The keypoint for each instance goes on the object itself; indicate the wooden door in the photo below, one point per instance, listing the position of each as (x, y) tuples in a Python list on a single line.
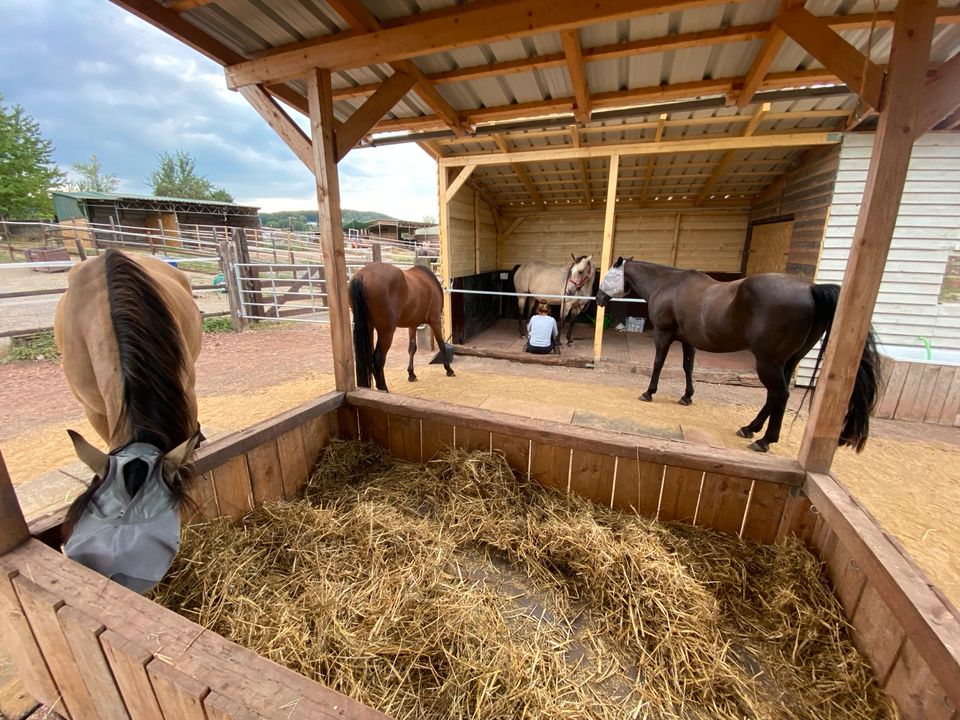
[(769, 245)]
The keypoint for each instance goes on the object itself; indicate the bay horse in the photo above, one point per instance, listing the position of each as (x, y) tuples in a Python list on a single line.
[(383, 297), (540, 278), (778, 317), (129, 333)]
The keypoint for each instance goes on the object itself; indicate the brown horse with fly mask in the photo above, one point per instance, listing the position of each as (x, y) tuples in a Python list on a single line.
[(383, 297), (778, 317), (129, 332)]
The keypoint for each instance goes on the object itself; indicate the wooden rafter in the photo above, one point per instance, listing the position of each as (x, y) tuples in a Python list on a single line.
[(815, 36), (584, 172), (180, 6), (368, 114), (772, 42), (727, 159), (652, 161), (578, 78), (359, 18), (472, 24), (519, 169), (281, 123), (701, 144), (942, 96), (459, 180)]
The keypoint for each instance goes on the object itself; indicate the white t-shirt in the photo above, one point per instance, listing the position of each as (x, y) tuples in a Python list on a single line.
[(542, 329)]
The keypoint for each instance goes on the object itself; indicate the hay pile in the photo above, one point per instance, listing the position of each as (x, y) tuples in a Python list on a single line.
[(456, 590)]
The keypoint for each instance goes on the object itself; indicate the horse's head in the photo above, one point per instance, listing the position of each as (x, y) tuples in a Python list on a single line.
[(613, 284), (126, 525)]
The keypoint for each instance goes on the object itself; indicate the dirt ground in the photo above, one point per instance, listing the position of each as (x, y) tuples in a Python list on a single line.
[(908, 475)]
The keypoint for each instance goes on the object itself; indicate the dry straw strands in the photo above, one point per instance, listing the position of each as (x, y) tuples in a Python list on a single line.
[(456, 590)]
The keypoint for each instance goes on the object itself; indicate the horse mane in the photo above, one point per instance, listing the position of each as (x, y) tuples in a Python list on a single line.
[(153, 356)]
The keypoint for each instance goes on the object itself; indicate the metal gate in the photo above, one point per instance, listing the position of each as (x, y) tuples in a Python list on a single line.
[(281, 291)]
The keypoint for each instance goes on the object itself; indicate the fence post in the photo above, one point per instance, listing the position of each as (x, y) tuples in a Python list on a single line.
[(228, 266), (6, 238), (252, 285), (424, 334), (377, 249), (113, 232)]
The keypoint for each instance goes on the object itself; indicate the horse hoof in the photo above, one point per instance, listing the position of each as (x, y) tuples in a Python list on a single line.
[(759, 446), (685, 401), (647, 397), (412, 378), (451, 373), (744, 433)]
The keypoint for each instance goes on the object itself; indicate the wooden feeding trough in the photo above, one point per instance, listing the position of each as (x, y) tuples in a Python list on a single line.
[(90, 648)]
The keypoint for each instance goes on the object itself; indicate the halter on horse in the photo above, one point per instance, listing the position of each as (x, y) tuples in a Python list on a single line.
[(540, 278), (383, 298), (778, 317), (129, 333)]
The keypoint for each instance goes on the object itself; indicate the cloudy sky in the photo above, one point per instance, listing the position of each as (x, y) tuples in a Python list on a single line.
[(100, 81)]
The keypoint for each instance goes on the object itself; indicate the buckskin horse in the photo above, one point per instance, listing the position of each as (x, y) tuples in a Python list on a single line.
[(540, 279), (778, 317), (129, 332), (383, 297)]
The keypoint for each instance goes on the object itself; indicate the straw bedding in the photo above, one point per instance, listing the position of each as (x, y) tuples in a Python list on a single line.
[(457, 590)]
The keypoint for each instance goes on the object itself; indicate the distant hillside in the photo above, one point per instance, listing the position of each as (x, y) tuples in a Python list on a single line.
[(300, 218)]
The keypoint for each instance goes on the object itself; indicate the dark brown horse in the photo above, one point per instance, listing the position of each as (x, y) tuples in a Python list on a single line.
[(383, 297), (778, 317), (129, 333)]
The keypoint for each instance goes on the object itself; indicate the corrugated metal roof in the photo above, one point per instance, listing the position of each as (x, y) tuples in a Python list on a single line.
[(114, 197)]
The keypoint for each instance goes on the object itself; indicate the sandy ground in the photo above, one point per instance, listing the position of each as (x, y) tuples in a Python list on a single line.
[(908, 475)]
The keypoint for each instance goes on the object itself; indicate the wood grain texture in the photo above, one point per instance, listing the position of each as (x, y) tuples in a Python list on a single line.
[(436, 438), (591, 476), (178, 695), (128, 662), (515, 450), (876, 633), (232, 483), (550, 465), (723, 502), (294, 466), (681, 491), (374, 426), (83, 636), (768, 503), (917, 692), (266, 477), (405, 438)]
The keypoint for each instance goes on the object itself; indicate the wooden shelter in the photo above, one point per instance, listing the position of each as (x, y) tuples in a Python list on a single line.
[(688, 109)]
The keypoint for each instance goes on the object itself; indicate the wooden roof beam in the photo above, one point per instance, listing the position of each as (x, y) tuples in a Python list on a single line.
[(584, 173), (657, 137), (727, 159), (772, 43), (578, 78), (281, 123), (359, 18), (942, 96), (474, 23), (837, 55), (368, 114), (179, 6), (519, 170), (737, 142)]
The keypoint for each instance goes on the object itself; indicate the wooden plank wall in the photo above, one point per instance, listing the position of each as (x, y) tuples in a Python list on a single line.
[(473, 234), (905, 627), (804, 193), (919, 392), (756, 497), (711, 241)]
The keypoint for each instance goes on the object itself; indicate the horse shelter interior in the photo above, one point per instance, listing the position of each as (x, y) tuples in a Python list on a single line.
[(661, 130)]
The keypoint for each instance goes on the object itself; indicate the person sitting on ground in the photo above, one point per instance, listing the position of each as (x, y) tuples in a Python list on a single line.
[(542, 331)]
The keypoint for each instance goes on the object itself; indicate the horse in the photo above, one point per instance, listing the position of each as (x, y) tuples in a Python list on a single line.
[(778, 317), (383, 297), (540, 278), (129, 332)]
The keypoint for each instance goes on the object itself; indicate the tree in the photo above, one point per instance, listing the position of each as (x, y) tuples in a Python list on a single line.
[(176, 176), (90, 178), (27, 172)]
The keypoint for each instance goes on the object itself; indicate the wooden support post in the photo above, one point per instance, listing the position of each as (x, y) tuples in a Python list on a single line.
[(676, 241), (445, 279), (376, 250), (476, 232), (13, 527), (320, 96), (79, 243), (912, 35), (227, 261), (606, 254), (424, 333)]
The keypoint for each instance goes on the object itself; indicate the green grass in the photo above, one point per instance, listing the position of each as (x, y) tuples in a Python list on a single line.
[(217, 324), (33, 348)]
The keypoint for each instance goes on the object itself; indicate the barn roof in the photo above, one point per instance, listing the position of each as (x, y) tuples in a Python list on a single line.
[(500, 76), (130, 197)]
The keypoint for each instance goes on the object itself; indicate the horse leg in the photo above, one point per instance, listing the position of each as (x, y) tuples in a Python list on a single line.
[(756, 425), (772, 377), (662, 340), (412, 349), (572, 317), (438, 335), (689, 351), (384, 341), (523, 304)]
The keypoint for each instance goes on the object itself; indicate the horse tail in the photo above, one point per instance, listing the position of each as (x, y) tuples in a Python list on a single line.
[(362, 347), (153, 355), (856, 424)]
